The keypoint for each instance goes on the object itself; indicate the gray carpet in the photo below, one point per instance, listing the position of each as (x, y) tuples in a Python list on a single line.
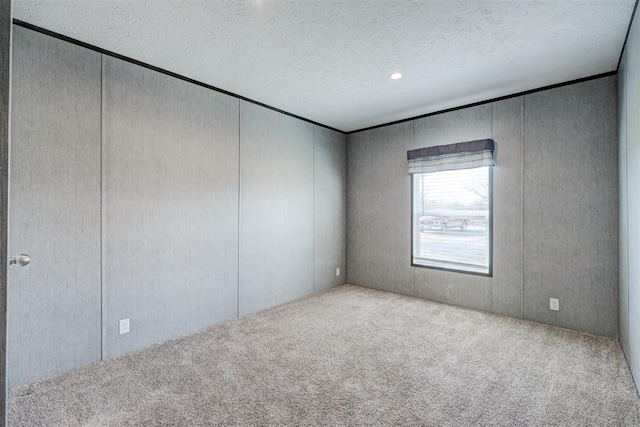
[(349, 356)]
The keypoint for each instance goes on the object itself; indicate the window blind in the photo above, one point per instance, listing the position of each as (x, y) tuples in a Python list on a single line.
[(462, 155)]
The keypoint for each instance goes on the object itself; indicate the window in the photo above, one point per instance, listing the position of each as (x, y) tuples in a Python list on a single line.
[(452, 210)]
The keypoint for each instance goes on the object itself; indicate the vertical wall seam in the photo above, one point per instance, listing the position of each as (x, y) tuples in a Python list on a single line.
[(346, 208), (626, 172), (239, 206), (102, 216), (346, 204), (522, 198), (313, 204), (492, 237), (632, 343), (5, 193), (626, 190), (413, 270)]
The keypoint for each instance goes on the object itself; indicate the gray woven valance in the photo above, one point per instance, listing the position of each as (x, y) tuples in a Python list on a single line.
[(463, 155)]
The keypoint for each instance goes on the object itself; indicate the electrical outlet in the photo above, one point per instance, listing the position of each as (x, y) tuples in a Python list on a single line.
[(554, 304), (124, 326), (338, 272)]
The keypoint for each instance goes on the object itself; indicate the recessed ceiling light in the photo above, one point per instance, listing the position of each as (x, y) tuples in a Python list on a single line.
[(395, 76)]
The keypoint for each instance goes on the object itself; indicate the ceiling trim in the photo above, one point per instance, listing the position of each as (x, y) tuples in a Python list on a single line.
[(161, 70), (488, 101), (633, 14)]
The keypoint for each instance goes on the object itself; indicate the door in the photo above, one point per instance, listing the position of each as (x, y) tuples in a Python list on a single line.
[(54, 302)]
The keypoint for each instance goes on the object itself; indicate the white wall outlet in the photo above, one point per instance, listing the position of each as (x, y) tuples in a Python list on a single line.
[(554, 304), (124, 326), (338, 272)]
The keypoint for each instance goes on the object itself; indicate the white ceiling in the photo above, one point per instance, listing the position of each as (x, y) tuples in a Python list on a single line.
[(329, 61)]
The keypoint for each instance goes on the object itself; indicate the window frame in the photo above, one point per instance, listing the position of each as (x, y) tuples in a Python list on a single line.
[(454, 270)]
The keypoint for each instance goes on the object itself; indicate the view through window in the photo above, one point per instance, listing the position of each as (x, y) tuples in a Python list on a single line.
[(452, 220)]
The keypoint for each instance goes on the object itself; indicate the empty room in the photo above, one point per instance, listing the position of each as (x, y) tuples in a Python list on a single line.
[(341, 213)]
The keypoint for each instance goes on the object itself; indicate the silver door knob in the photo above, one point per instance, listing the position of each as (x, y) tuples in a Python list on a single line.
[(21, 260)]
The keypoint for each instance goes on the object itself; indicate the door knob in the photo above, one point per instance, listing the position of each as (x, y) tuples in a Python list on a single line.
[(21, 260)]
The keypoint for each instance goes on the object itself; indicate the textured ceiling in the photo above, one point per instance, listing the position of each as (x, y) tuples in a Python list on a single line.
[(329, 61)]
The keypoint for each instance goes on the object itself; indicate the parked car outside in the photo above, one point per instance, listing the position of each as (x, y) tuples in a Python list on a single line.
[(443, 223)]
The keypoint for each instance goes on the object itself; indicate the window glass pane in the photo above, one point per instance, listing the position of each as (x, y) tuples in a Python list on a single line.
[(451, 219)]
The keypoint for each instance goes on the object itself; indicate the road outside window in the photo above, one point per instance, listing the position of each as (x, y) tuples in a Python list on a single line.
[(452, 220)]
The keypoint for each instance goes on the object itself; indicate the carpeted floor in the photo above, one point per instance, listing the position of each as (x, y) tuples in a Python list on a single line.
[(349, 356)]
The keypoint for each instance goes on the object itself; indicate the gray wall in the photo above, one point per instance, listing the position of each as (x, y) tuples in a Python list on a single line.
[(293, 208), (378, 217), (5, 83), (552, 146), (329, 207), (208, 207), (629, 149), (571, 214), (276, 208), (170, 210)]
